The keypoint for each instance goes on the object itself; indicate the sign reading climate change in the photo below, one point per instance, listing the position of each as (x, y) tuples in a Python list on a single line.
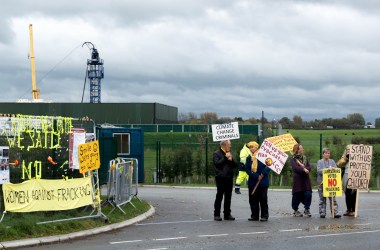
[(271, 156), (359, 171), (47, 195), (225, 131)]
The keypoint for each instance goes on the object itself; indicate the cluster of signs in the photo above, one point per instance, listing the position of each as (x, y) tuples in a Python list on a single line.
[(48, 195), (272, 154)]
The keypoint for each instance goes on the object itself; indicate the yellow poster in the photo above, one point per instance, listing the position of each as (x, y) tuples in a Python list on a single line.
[(284, 142), (332, 182), (47, 195), (89, 158)]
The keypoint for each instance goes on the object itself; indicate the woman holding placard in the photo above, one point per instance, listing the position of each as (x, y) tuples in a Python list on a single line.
[(325, 163), (349, 193), (301, 188)]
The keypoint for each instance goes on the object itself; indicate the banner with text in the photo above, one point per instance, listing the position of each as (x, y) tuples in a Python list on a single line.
[(359, 172), (89, 158), (225, 131), (332, 182), (272, 156), (284, 142), (47, 195)]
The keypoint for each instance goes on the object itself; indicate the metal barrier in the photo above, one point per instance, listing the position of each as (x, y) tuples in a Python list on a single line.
[(122, 183)]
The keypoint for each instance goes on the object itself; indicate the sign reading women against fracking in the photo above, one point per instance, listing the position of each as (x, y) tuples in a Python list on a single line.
[(272, 156), (359, 171), (47, 195), (332, 182), (284, 142), (89, 158), (225, 131)]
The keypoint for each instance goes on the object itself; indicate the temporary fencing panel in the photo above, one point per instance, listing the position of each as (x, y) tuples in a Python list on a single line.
[(122, 183)]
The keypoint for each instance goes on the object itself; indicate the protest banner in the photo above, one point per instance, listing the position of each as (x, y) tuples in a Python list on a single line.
[(48, 195), (359, 171), (332, 182), (225, 131), (272, 156), (89, 158), (284, 142)]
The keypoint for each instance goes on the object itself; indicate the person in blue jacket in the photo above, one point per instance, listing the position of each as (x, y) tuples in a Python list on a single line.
[(258, 175)]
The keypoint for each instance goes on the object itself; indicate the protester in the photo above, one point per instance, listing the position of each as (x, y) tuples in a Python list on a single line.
[(224, 172), (349, 193), (244, 153), (301, 189), (325, 163), (258, 176)]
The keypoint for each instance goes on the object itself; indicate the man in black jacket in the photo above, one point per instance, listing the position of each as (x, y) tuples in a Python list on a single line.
[(224, 172)]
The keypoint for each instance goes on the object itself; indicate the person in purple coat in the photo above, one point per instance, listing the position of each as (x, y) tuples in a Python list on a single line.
[(301, 189)]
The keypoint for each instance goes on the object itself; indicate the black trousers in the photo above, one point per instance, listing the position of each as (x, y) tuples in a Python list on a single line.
[(224, 188), (259, 201), (350, 199)]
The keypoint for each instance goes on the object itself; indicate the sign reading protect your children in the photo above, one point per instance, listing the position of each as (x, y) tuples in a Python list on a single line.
[(359, 172)]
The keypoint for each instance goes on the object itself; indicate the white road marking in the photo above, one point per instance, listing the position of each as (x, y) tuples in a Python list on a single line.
[(265, 232), (171, 222), (328, 235), (127, 241), (212, 235), (176, 238), (364, 224), (290, 230), (162, 248)]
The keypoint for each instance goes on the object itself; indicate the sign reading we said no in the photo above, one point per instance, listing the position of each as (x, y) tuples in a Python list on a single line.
[(89, 158)]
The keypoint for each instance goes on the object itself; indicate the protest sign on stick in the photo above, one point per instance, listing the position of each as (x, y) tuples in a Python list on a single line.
[(272, 157), (225, 131)]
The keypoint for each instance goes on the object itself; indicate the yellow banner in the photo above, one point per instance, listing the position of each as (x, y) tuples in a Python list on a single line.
[(47, 195), (89, 158), (332, 182), (284, 142)]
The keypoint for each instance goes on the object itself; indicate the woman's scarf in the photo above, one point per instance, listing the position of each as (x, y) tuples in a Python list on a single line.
[(301, 158), (254, 162)]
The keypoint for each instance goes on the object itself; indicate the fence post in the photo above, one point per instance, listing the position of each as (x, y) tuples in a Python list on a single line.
[(320, 146), (206, 146), (158, 162)]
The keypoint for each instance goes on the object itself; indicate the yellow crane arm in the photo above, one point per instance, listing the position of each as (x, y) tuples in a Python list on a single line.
[(35, 91)]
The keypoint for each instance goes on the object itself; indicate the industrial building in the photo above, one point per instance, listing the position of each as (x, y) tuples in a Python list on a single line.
[(112, 113)]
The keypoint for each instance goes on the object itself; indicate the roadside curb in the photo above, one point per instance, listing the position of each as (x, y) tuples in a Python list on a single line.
[(65, 237)]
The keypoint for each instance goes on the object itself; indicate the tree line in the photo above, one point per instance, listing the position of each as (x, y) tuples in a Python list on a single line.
[(351, 121)]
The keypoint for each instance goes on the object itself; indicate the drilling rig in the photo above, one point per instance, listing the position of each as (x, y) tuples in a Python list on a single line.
[(94, 72), (35, 91)]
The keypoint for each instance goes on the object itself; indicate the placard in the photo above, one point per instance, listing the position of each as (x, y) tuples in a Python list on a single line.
[(225, 131), (272, 156)]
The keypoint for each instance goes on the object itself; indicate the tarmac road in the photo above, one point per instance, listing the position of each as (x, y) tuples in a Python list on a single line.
[(184, 220)]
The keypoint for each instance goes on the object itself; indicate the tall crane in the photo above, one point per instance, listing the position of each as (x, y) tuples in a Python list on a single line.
[(94, 72), (35, 91)]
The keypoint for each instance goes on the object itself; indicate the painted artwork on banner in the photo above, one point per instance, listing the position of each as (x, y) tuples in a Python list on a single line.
[(4, 165), (359, 172), (48, 195), (332, 182), (272, 156), (89, 157), (225, 131), (284, 142)]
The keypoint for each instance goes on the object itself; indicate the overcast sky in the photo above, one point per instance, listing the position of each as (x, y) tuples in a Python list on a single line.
[(316, 59)]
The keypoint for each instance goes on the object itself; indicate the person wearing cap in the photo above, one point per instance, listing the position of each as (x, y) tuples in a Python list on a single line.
[(247, 149), (224, 166), (349, 193), (258, 184)]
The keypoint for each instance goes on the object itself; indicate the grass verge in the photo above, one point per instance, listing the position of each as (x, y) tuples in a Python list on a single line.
[(16, 226)]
